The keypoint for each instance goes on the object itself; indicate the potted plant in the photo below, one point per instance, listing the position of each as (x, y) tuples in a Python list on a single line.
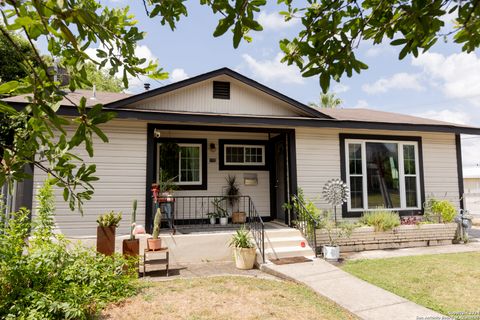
[(213, 217), (107, 224), (244, 251), (131, 246), (233, 194), (155, 243), (165, 187), (220, 211), (335, 232)]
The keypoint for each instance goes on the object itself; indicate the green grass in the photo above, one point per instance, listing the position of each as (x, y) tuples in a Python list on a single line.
[(446, 283), (233, 298)]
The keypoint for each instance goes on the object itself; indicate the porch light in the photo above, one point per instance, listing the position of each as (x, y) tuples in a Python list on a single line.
[(157, 133), (213, 148)]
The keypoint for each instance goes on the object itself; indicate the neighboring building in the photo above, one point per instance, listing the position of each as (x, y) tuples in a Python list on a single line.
[(471, 181), (226, 124)]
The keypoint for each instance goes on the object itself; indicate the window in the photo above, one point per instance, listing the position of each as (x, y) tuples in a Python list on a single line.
[(244, 155), (181, 161), (382, 174)]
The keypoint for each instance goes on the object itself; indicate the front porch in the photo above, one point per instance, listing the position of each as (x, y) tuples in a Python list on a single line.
[(261, 159)]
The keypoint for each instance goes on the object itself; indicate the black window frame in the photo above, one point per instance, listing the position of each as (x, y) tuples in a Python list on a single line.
[(204, 169), (343, 169), (246, 167)]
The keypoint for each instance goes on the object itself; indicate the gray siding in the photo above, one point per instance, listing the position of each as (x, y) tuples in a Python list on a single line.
[(244, 100), (121, 167)]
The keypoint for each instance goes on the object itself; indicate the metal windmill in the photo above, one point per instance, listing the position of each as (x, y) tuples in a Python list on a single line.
[(336, 193)]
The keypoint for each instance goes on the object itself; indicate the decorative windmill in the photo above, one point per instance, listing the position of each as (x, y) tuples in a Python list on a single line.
[(336, 193)]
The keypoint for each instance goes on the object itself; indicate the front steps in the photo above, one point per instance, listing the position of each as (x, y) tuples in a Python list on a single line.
[(285, 242)]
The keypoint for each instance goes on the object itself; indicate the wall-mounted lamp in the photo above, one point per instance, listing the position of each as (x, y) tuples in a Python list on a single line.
[(157, 133), (213, 148)]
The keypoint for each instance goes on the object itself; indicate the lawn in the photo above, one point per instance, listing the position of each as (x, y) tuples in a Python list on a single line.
[(231, 297), (447, 283)]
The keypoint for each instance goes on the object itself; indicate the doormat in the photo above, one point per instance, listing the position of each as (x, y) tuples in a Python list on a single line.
[(291, 260)]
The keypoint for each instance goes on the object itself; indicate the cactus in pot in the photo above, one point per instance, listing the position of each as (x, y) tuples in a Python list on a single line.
[(131, 247), (154, 243)]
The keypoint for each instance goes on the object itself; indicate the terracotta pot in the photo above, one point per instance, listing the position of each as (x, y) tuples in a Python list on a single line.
[(239, 217), (106, 240), (131, 247), (154, 244), (244, 257)]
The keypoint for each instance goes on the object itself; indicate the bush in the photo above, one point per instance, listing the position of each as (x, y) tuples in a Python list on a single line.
[(42, 278), (443, 208), (381, 220)]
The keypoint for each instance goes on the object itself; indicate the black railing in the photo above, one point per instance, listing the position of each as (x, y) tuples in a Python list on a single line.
[(306, 223), (257, 227), (211, 212)]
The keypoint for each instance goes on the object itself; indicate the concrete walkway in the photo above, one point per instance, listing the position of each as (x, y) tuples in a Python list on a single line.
[(365, 300), (473, 246)]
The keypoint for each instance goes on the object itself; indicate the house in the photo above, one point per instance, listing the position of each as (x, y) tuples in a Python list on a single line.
[(471, 180), (222, 123)]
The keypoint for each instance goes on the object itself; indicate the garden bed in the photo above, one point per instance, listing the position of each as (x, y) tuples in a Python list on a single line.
[(405, 236)]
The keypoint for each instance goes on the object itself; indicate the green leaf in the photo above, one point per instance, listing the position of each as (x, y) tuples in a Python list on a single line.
[(9, 87), (237, 34), (324, 81), (223, 26)]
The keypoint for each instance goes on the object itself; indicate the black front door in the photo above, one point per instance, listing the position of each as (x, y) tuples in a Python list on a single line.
[(279, 178)]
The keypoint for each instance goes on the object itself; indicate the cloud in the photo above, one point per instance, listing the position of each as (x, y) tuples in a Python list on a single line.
[(361, 104), (458, 74), (273, 70), (340, 88), (178, 75), (459, 117), (404, 81), (275, 21)]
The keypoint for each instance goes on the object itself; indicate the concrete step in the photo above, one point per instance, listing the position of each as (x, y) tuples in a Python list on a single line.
[(284, 242), (280, 233), (285, 252)]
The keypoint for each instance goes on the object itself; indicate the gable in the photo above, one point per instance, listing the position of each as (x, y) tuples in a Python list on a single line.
[(199, 98)]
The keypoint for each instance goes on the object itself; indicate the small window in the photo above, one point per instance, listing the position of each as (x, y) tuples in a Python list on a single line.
[(244, 155), (221, 90)]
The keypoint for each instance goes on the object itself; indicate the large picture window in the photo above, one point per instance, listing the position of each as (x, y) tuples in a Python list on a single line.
[(382, 174), (181, 161)]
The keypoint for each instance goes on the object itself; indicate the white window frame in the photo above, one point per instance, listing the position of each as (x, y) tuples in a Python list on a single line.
[(401, 173), (180, 182), (244, 163)]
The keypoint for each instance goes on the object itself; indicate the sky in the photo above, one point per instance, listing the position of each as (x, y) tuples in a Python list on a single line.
[(442, 84)]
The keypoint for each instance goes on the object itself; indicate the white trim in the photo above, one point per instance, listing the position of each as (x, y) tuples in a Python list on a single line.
[(401, 173), (184, 183), (244, 146)]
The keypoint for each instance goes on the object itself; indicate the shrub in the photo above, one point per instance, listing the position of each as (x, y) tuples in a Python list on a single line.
[(44, 277), (381, 220), (443, 208)]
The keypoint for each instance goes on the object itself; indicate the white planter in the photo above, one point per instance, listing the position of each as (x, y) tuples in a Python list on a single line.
[(331, 253), (213, 220), (244, 257), (223, 221)]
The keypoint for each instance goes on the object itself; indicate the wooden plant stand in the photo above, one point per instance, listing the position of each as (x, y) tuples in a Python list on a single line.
[(155, 260)]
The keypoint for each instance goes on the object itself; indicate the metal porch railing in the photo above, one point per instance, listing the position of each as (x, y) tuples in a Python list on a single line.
[(194, 212), (306, 223)]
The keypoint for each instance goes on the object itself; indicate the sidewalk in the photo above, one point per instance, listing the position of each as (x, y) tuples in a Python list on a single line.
[(365, 300)]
